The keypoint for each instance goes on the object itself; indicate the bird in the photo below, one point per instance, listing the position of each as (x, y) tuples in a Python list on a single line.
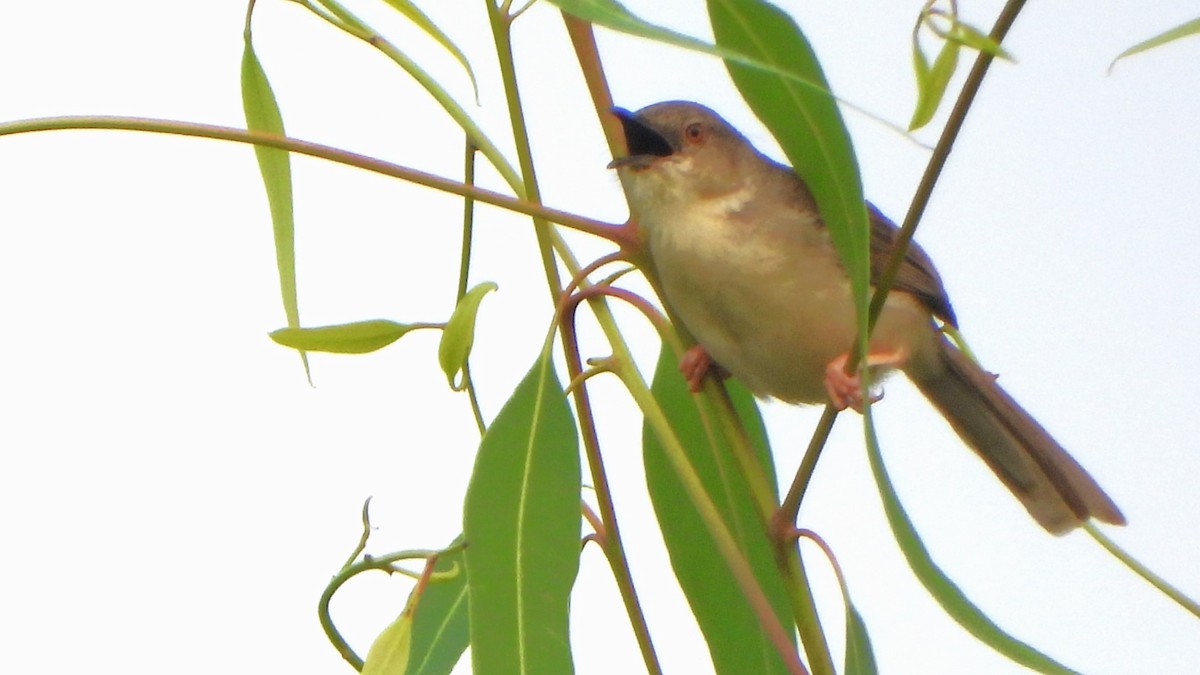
[(745, 261)]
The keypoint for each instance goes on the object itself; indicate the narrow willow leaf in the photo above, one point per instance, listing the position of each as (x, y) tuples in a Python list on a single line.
[(614, 16), (389, 653), (459, 335), (932, 88), (347, 338), (804, 121), (262, 114), (736, 642), (441, 628), (423, 22), (940, 587), (920, 63), (860, 658), (970, 36), (522, 529), (1181, 31)]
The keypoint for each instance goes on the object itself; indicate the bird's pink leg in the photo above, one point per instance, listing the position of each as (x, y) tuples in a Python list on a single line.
[(845, 390), (695, 364)]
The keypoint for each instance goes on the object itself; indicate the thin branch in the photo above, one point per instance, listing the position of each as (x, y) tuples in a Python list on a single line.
[(916, 210), (615, 233)]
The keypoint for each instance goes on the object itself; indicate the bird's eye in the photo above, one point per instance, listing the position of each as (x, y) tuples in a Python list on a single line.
[(694, 133)]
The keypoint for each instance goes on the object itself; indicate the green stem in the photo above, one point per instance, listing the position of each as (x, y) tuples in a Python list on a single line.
[(611, 542), (501, 23), (384, 563), (1144, 572), (359, 29), (916, 209), (464, 272), (739, 566), (799, 594)]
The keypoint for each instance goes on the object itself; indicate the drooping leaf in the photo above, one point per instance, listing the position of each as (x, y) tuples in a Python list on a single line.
[(932, 83), (423, 22), (940, 587), (262, 114), (806, 123), (459, 334), (521, 522), (441, 629), (1179, 32), (359, 337), (736, 642)]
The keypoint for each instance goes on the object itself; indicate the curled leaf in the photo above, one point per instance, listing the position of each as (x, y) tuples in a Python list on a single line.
[(359, 337), (932, 81), (459, 334)]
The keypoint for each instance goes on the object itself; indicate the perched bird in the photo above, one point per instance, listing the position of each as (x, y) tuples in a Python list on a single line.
[(747, 264)]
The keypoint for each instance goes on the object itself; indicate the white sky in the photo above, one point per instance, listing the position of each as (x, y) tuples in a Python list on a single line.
[(174, 496)]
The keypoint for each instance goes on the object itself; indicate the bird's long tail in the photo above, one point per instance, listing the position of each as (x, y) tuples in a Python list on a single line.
[(1056, 490)]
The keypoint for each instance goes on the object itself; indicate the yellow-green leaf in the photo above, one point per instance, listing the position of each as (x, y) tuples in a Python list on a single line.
[(389, 653), (262, 114), (970, 36), (459, 335), (1181, 31), (932, 83), (423, 22), (359, 337)]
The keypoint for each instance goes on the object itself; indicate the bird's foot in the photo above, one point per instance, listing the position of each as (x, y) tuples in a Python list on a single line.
[(845, 389), (695, 365)]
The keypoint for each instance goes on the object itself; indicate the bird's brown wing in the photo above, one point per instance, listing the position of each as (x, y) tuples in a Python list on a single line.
[(917, 274)]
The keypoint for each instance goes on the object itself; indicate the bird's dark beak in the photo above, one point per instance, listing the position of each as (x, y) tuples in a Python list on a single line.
[(644, 143)]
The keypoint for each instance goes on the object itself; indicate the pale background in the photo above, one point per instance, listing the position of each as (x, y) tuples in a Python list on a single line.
[(174, 496)]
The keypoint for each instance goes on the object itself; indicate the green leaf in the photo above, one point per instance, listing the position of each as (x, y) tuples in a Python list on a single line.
[(806, 123), (262, 114), (359, 337), (1181, 31), (931, 85), (521, 521), (970, 36), (441, 628), (614, 16), (736, 642), (860, 658), (389, 653), (423, 22), (940, 587), (459, 335)]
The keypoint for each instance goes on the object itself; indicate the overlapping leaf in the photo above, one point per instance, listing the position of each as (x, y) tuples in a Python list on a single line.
[(735, 640)]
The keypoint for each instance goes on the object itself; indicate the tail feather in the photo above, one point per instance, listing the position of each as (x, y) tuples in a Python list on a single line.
[(1054, 488)]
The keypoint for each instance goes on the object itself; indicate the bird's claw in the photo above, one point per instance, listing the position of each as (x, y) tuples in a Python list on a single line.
[(845, 389), (695, 365)]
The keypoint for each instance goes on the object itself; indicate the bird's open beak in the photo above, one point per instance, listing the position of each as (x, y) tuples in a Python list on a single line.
[(645, 144)]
